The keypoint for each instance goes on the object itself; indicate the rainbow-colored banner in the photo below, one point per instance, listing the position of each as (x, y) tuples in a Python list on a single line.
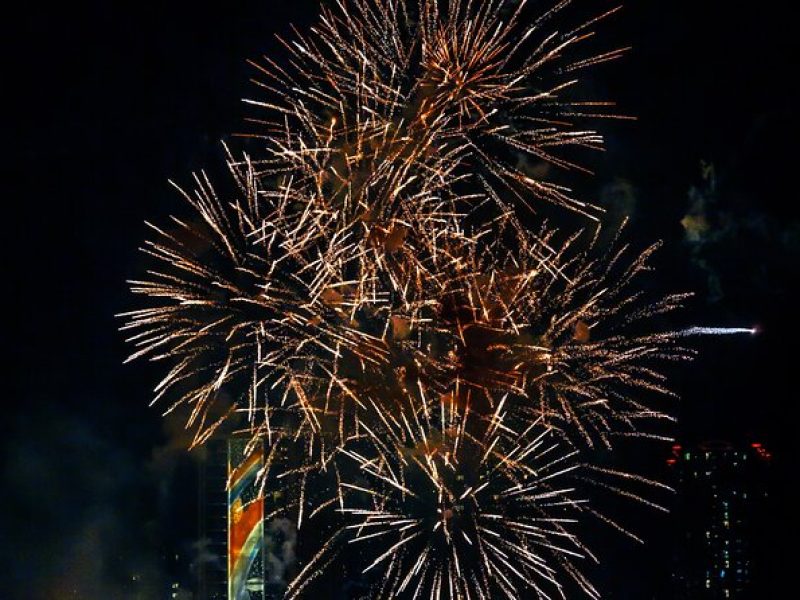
[(245, 523)]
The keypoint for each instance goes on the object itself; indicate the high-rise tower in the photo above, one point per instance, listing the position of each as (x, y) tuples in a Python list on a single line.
[(721, 491)]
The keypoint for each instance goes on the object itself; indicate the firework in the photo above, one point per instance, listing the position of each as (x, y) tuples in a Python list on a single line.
[(298, 318), (560, 328), (455, 505), (386, 103), (242, 290), (443, 502), (365, 298), (290, 288)]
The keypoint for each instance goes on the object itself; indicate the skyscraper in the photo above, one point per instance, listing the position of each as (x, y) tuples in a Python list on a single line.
[(231, 522), (212, 569), (721, 499)]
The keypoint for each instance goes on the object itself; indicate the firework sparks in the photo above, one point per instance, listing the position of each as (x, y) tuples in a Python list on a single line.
[(299, 318), (366, 299), (443, 510), (242, 292), (384, 104)]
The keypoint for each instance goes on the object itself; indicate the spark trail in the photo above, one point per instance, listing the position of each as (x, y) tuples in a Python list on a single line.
[(692, 331)]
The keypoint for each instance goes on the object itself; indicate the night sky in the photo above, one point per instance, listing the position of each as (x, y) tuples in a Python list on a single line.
[(113, 100)]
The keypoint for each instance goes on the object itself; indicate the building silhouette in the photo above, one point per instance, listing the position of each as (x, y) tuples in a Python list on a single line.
[(722, 490)]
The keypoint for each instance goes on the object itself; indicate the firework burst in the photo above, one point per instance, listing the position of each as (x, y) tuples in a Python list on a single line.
[(365, 300), (261, 311), (441, 363), (448, 497), (385, 103), (245, 290)]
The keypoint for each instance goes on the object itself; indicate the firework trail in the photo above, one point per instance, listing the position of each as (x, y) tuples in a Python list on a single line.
[(691, 331)]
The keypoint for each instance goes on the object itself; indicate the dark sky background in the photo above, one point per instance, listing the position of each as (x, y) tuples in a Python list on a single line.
[(112, 99)]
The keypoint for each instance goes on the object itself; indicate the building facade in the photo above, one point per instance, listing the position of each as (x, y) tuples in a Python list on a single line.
[(231, 566)]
